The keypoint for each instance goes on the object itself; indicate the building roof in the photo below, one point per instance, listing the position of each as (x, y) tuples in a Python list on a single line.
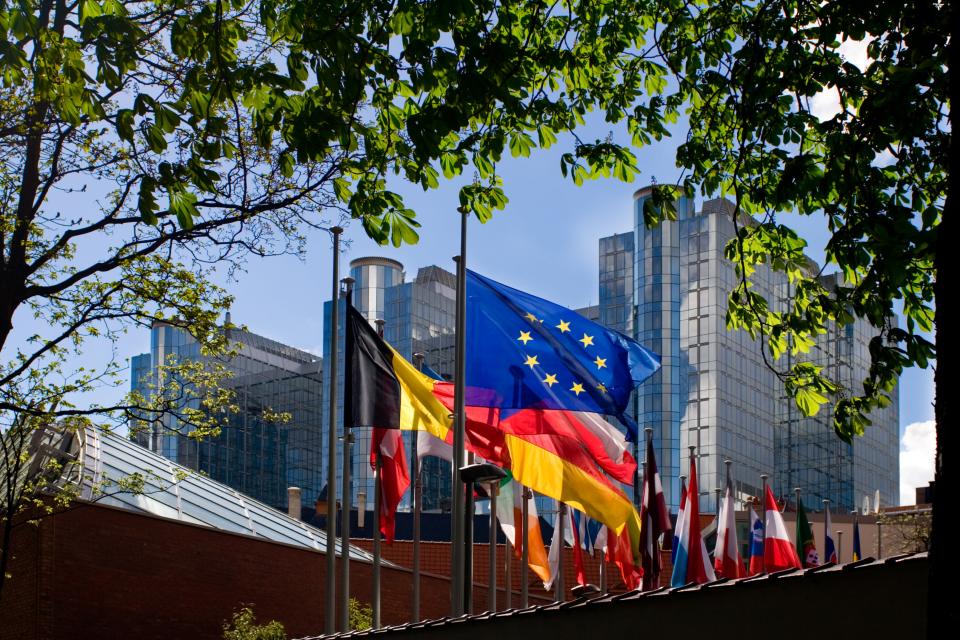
[(170, 490)]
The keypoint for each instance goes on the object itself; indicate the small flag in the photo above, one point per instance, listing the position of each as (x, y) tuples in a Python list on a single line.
[(726, 556), (510, 515), (581, 574), (693, 562), (829, 548), (655, 521), (756, 543), (806, 546), (587, 529), (394, 476), (679, 527), (778, 551), (856, 540), (556, 548), (620, 552)]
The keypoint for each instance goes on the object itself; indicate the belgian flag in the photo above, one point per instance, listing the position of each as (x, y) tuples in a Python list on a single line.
[(382, 389)]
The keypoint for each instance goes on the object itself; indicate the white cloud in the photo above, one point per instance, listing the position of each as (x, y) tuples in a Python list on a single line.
[(826, 104), (917, 448)]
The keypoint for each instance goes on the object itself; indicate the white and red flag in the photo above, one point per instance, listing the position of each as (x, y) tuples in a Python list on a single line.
[(778, 552), (726, 557)]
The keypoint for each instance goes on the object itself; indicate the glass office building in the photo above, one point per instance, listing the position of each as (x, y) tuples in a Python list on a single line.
[(256, 456), (667, 287), (417, 317)]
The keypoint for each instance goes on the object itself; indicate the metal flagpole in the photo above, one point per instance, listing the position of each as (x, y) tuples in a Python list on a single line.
[(558, 582), (508, 551), (492, 535), (468, 509), (417, 496), (377, 497), (457, 529), (377, 509), (330, 610), (603, 569), (763, 516), (524, 549), (345, 506), (826, 532)]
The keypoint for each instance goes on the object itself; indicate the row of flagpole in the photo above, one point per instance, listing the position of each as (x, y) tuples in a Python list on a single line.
[(461, 528)]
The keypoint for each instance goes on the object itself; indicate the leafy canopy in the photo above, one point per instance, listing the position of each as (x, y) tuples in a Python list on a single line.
[(755, 78)]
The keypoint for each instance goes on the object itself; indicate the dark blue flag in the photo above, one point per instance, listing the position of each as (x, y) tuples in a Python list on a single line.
[(526, 352)]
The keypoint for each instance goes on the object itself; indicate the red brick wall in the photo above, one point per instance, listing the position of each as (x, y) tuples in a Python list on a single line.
[(97, 570)]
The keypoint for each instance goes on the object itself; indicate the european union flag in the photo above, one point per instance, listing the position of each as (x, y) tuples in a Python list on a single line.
[(526, 352)]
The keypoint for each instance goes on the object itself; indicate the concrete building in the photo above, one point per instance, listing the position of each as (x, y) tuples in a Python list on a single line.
[(257, 456), (667, 287)]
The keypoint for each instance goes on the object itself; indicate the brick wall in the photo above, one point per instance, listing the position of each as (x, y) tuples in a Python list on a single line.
[(113, 573)]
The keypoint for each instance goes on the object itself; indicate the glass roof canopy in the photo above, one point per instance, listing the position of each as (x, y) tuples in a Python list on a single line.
[(174, 492)]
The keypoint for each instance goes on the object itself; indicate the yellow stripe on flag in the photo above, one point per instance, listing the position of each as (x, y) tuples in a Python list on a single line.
[(419, 408)]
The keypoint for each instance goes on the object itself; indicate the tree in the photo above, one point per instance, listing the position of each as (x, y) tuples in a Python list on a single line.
[(906, 531), (145, 142), (244, 626), (876, 167)]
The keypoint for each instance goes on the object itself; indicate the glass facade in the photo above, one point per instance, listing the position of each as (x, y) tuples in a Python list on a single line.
[(255, 456), (418, 317), (714, 391), (809, 453)]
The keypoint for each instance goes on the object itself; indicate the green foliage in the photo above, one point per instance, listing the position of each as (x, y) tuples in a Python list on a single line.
[(360, 615), (243, 626), (756, 77)]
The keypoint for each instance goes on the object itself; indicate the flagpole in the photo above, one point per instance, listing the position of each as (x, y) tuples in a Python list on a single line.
[(558, 591), (839, 546), (377, 510), (345, 506), (458, 532), (468, 510), (524, 549), (492, 535), (826, 532), (378, 497), (508, 570), (330, 609), (803, 560), (648, 499), (763, 520), (417, 497), (603, 568)]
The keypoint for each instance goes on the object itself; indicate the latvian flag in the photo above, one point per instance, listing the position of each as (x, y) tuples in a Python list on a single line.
[(778, 551)]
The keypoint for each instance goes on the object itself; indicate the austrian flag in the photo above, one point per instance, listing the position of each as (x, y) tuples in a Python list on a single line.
[(778, 551)]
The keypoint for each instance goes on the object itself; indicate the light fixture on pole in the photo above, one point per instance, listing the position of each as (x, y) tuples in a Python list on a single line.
[(471, 474)]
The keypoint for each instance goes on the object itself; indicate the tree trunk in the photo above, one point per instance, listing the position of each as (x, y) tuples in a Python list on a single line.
[(941, 610)]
